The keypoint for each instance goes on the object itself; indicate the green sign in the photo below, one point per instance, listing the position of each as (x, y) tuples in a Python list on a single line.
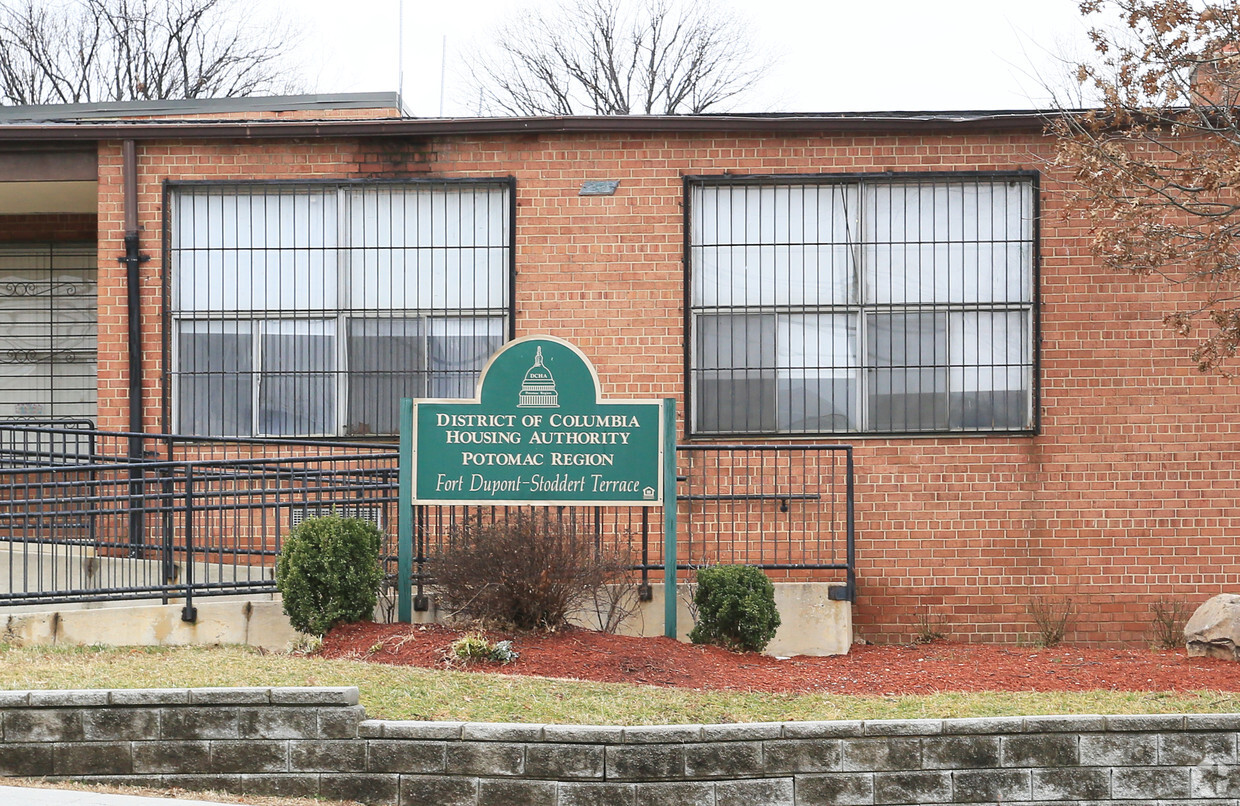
[(538, 434)]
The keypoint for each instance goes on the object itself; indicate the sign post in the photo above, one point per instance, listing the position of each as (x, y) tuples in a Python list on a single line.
[(538, 433), (669, 518), (404, 538)]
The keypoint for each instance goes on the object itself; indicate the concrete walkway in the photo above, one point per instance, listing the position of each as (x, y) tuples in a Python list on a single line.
[(18, 796)]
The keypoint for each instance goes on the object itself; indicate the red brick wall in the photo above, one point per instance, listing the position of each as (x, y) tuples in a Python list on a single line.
[(1127, 495)]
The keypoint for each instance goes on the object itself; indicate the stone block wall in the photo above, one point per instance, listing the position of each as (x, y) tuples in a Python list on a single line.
[(317, 742)]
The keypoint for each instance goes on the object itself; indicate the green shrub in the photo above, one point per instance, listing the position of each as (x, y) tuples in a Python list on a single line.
[(474, 646), (736, 608), (329, 572)]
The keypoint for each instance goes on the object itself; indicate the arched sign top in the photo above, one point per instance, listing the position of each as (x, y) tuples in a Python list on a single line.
[(536, 372), (538, 432)]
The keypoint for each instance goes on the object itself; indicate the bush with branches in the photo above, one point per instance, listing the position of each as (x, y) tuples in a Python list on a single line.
[(1168, 618), (736, 608), (1052, 617), (527, 571), (329, 572)]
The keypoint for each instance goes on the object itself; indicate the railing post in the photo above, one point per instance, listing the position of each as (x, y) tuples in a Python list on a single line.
[(189, 612), (421, 602), (851, 573), (404, 517), (644, 592), (166, 548)]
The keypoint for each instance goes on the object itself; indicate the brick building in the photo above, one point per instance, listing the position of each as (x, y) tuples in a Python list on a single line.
[(1024, 425)]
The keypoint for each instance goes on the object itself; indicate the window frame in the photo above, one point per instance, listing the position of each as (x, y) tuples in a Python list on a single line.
[(339, 317), (861, 308)]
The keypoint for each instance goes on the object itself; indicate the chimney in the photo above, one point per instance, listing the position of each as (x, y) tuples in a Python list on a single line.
[(1215, 80)]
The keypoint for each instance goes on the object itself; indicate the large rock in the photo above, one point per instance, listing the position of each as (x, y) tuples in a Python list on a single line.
[(1214, 629)]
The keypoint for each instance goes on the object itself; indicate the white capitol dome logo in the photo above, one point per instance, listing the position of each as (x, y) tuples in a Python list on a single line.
[(538, 388)]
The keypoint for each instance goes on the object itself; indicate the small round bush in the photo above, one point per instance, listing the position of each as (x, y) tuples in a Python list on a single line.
[(736, 608), (329, 572)]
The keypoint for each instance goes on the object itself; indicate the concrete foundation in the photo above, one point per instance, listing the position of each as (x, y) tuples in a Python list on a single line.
[(253, 623), (810, 622)]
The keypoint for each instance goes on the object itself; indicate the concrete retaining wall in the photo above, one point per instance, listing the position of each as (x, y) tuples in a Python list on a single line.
[(312, 742), (220, 621)]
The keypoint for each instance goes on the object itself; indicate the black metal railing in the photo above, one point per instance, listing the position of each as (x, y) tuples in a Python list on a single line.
[(186, 518), (81, 519), (783, 508), (39, 443), (787, 509)]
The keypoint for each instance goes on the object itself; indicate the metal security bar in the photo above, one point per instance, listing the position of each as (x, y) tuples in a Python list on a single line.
[(48, 316), (311, 309), (888, 304), (80, 520)]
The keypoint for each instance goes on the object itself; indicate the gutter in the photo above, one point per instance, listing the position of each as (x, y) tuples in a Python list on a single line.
[(133, 261)]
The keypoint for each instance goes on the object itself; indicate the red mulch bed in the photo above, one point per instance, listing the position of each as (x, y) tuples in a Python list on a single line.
[(866, 670)]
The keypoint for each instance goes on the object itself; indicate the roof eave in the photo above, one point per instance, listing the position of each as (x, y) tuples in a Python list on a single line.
[(436, 127)]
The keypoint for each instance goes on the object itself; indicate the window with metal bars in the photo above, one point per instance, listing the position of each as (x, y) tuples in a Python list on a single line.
[(887, 304), (311, 309), (48, 323)]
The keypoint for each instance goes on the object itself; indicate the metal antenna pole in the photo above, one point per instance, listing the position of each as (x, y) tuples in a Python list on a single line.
[(400, 54)]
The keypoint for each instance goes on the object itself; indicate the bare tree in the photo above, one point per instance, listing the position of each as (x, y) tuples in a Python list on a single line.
[(76, 51), (611, 57), (1156, 168)]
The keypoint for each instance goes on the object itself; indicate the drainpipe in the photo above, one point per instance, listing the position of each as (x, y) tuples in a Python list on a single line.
[(133, 260)]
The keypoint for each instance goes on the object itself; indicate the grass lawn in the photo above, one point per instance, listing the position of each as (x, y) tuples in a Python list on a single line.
[(397, 692)]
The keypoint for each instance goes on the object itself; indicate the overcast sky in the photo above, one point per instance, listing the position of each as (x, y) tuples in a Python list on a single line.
[(831, 55)]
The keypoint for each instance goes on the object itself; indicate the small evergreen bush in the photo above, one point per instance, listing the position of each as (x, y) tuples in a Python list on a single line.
[(329, 572), (736, 608)]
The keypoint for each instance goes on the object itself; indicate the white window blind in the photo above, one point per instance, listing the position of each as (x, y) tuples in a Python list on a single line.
[(310, 310), (884, 305)]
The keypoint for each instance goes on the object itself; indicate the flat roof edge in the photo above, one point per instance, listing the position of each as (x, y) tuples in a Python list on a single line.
[(430, 127), (197, 106)]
